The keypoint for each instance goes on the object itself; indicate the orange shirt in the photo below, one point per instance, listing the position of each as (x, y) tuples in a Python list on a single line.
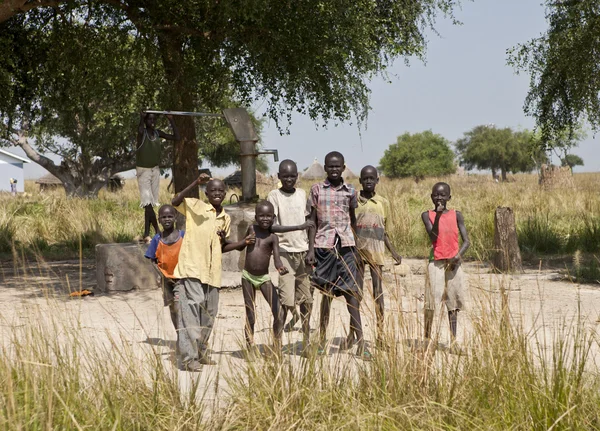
[(165, 255)]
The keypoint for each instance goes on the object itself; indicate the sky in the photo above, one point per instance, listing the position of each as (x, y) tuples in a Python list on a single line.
[(464, 82)]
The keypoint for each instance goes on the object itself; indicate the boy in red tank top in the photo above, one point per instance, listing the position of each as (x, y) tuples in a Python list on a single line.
[(444, 281)]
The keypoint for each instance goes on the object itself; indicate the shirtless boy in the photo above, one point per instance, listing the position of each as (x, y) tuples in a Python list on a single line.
[(255, 275)]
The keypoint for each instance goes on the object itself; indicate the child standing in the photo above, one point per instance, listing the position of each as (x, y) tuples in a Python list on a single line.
[(332, 247), (164, 252), (372, 240), (255, 275), (444, 281), (199, 269), (291, 214)]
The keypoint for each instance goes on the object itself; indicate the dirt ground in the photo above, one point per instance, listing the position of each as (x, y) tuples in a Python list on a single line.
[(541, 299)]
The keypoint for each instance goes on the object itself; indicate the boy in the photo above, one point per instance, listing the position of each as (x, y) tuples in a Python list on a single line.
[(255, 275), (199, 269), (164, 252), (332, 248), (147, 161), (291, 215), (444, 282), (372, 240)]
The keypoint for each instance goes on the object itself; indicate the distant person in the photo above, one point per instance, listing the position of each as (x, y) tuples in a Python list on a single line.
[(199, 269), (147, 170), (255, 275), (164, 252), (291, 223), (445, 280), (13, 186), (332, 248), (371, 241)]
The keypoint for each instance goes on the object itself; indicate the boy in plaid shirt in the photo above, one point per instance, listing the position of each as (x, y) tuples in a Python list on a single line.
[(332, 247)]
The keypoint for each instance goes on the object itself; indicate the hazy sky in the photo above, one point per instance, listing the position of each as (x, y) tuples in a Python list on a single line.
[(465, 82)]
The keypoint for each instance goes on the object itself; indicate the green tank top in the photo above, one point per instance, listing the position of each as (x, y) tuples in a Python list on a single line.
[(148, 153)]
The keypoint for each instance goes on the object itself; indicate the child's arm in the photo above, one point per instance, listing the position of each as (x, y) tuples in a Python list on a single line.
[(312, 233), (173, 137), (432, 229), (227, 246), (460, 221), (140, 131), (392, 250), (276, 228), (353, 219), (276, 258), (202, 179)]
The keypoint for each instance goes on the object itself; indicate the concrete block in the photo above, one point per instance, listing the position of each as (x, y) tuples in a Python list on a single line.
[(123, 267)]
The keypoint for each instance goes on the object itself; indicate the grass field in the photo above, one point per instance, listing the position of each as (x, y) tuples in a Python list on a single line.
[(559, 223)]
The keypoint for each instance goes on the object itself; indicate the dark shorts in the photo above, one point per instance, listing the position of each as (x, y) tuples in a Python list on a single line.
[(335, 270)]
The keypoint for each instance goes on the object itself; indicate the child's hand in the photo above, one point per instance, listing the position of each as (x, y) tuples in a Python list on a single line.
[(397, 259), (310, 258), (452, 263), (282, 270), (222, 234), (203, 179), (308, 224), (250, 239), (439, 207)]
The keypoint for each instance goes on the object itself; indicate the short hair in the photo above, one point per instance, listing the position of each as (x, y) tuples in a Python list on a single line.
[(369, 167), (335, 154), (436, 185), (264, 204), (288, 162), (167, 207), (215, 180)]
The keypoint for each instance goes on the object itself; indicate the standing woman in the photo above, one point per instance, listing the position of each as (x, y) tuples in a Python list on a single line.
[(147, 170)]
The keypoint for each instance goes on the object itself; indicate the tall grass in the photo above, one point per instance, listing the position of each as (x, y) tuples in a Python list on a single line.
[(556, 222)]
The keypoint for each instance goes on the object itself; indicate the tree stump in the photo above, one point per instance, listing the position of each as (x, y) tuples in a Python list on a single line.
[(507, 256)]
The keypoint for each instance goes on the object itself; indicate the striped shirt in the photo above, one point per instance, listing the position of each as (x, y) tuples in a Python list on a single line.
[(333, 213)]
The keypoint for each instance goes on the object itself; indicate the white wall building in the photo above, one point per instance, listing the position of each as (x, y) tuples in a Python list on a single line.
[(11, 166)]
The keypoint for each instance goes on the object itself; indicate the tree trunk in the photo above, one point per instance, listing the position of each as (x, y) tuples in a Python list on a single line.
[(494, 173), (185, 155), (503, 175), (507, 256)]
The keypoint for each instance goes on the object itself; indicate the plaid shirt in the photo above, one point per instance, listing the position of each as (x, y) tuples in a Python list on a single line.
[(333, 213)]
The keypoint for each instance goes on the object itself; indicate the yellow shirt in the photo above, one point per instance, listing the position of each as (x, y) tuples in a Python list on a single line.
[(371, 217), (200, 254)]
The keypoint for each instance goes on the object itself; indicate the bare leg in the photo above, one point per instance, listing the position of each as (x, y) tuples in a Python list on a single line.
[(429, 314), (453, 320), (305, 311), (270, 294), (324, 318), (376, 272), (295, 318), (149, 220), (360, 281), (249, 301)]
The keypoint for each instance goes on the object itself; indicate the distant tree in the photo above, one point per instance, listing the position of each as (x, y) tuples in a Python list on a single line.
[(563, 65), (499, 150), (418, 156), (571, 160)]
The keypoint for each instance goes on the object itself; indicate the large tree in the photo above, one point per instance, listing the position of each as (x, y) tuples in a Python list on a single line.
[(311, 56), (499, 150), (564, 66), (417, 156)]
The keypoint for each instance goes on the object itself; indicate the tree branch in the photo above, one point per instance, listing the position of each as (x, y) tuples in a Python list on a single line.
[(10, 8), (38, 158)]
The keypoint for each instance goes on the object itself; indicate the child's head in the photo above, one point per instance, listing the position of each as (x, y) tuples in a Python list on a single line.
[(150, 121), (334, 165), (215, 192), (288, 175), (369, 178), (264, 214), (166, 216), (440, 194)]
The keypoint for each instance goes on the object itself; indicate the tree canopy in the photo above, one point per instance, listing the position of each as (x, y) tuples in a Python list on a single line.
[(499, 149), (564, 66), (571, 160), (314, 57), (418, 156)]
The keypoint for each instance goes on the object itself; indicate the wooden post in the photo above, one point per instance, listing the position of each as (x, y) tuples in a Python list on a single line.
[(507, 256)]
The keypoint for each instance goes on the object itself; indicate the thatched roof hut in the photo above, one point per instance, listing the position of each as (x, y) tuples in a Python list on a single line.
[(314, 172), (235, 179), (348, 174)]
